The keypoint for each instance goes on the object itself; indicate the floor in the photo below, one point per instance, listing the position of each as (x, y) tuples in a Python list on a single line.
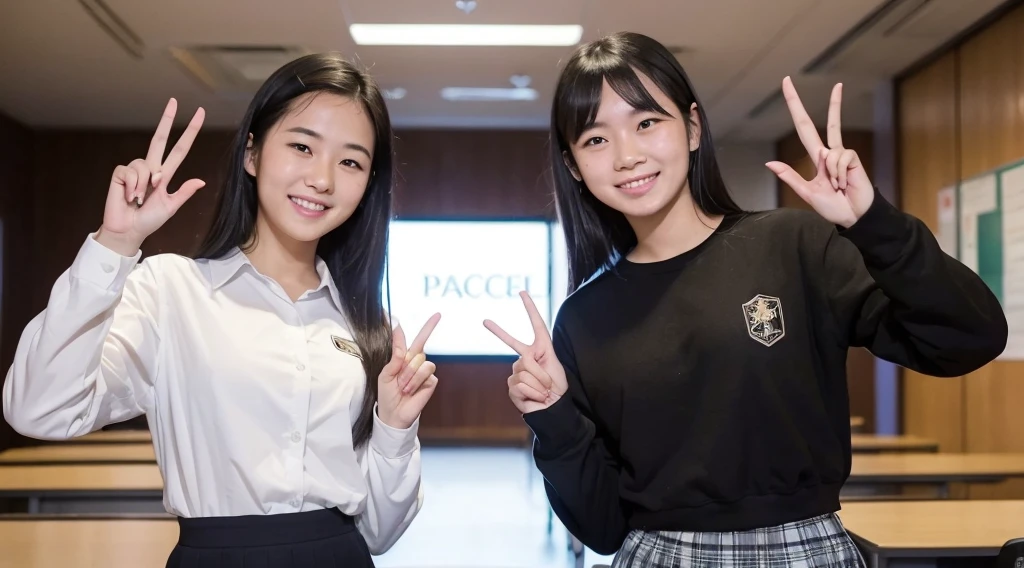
[(483, 508)]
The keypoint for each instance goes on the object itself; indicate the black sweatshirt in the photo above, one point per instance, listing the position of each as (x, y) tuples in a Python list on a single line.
[(707, 392)]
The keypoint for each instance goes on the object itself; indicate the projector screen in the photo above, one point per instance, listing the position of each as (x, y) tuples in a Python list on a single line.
[(468, 271)]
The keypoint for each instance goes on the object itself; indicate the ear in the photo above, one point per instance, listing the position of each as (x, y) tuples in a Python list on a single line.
[(572, 169), (695, 128), (250, 157)]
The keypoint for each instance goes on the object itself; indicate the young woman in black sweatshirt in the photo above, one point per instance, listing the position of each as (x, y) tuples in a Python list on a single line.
[(690, 406)]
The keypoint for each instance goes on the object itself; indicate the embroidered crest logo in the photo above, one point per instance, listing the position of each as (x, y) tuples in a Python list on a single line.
[(347, 347), (764, 319)]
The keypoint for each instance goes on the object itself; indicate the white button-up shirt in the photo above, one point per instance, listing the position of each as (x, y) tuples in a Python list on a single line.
[(249, 400)]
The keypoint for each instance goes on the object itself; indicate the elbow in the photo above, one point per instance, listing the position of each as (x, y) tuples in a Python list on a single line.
[(604, 548), (978, 348), (33, 422), (35, 427), (604, 544)]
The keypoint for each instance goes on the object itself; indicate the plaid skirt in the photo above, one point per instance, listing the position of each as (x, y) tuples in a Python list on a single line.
[(819, 542)]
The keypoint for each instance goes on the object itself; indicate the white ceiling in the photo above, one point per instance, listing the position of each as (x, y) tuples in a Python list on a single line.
[(59, 68)]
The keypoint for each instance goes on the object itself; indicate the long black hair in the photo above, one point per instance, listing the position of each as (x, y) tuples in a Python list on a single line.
[(596, 234), (355, 251)]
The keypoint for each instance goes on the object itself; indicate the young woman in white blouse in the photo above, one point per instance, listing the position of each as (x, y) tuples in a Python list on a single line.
[(252, 360)]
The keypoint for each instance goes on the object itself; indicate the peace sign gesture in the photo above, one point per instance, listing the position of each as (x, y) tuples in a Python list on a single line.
[(132, 212), (841, 191), (407, 382), (538, 379)]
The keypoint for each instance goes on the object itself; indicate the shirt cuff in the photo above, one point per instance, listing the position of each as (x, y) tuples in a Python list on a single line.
[(558, 427), (392, 442), (882, 234), (102, 267)]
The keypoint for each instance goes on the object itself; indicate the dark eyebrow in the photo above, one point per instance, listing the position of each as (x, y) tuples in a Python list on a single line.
[(634, 112), (315, 134)]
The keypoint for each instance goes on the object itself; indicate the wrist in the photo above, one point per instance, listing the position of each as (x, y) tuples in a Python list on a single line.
[(391, 420), (118, 242)]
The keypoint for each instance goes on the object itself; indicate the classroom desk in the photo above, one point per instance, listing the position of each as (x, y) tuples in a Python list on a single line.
[(920, 533), (79, 454), (938, 469), (90, 488), (110, 437), (128, 543), (856, 422), (872, 443)]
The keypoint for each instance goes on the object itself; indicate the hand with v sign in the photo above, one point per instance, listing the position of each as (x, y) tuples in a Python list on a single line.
[(137, 201), (840, 191), (407, 382), (538, 379)]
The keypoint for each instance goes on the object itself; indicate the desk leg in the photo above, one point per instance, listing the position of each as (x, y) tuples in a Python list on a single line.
[(942, 490), (33, 505), (876, 560)]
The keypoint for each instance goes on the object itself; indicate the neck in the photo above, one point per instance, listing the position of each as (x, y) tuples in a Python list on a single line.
[(676, 228), (282, 258)]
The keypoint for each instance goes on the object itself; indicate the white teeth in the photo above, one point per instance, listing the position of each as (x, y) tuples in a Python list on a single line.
[(307, 204), (637, 183)]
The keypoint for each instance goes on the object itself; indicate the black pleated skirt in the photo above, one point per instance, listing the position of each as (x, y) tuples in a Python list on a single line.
[(325, 538)]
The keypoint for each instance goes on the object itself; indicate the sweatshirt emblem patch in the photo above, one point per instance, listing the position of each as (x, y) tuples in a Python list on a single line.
[(764, 319), (346, 346)]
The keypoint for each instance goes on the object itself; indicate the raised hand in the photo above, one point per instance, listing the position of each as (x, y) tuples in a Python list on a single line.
[(840, 191), (538, 379), (407, 382), (133, 212)]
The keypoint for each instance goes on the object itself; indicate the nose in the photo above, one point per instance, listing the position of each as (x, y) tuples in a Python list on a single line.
[(628, 154), (321, 177)]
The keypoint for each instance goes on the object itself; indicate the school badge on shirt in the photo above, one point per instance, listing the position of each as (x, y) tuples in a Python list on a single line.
[(764, 319), (346, 346)]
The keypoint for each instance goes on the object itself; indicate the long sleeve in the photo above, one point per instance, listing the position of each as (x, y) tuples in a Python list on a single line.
[(894, 291), (581, 474), (391, 466), (88, 359)]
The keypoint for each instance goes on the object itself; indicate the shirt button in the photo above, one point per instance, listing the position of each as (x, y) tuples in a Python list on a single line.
[(300, 367), (108, 268), (296, 437), (295, 503)]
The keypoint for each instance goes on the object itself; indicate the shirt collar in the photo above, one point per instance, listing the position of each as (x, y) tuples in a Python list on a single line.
[(222, 270)]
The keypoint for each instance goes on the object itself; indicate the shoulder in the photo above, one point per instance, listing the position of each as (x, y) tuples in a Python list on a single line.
[(173, 269), (783, 221), (170, 264)]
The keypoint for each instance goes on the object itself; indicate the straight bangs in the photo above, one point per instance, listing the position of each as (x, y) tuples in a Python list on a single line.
[(579, 106)]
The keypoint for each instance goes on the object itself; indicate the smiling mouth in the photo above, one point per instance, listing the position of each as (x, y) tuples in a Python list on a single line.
[(308, 205), (638, 183)]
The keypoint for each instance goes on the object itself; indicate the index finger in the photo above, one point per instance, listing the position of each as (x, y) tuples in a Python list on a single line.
[(184, 144), (421, 338), (518, 346), (835, 106), (803, 123), (158, 143), (540, 329)]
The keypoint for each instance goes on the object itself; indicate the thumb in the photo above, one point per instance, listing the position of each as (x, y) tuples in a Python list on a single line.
[(187, 190), (790, 177), (394, 367)]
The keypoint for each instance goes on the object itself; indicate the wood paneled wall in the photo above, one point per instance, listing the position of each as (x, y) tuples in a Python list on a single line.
[(860, 363), (54, 184), (15, 234), (959, 116)]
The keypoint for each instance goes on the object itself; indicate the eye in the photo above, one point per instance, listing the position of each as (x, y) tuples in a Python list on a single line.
[(301, 148), (647, 123), (352, 164), (593, 141)]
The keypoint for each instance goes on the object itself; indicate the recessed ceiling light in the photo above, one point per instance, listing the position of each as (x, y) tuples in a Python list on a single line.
[(394, 94), (488, 94), (453, 34)]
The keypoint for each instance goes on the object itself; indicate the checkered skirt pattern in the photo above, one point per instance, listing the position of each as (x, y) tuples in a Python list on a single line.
[(819, 542)]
